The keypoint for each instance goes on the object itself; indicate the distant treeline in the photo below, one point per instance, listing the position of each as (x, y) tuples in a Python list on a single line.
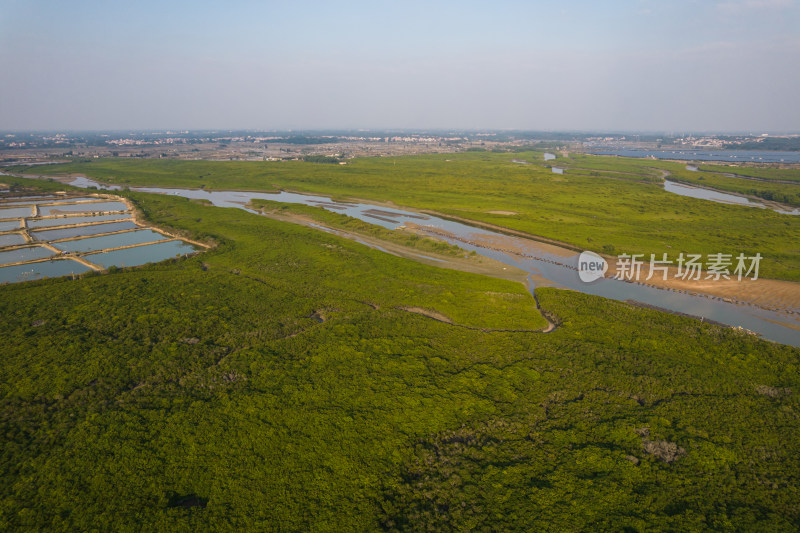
[(778, 144), (302, 139), (321, 159)]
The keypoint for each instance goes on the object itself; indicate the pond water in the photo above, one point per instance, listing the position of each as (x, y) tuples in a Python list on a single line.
[(557, 170), (543, 264), (721, 197), (758, 156), (140, 255), (9, 225), (53, 200), (17, 199), (549, 157), (27, 200), (66, 213), (64, 221), (24, 254), (110, 241), (82, 208), (55, 234), (11, 239), (15, 212), (44, 269)]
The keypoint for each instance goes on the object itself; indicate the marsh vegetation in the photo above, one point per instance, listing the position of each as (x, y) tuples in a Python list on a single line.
[(279, 382)]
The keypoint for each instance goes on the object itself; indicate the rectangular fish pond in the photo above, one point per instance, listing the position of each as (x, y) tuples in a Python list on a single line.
[(68, 238)]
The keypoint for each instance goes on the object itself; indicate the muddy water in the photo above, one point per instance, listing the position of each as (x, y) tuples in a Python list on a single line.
[(557, 270)]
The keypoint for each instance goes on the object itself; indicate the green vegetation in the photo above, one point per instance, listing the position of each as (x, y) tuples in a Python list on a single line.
[(19, 186), (709, 175), (321, 159), (785, 193), (352, 224), (600, 203), (782, 174), (274, 383), (772, 143)]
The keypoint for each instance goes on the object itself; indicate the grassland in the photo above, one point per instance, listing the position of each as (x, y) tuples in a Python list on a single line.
[(765, 173), (605, 204), (275, 384), (353, 225)]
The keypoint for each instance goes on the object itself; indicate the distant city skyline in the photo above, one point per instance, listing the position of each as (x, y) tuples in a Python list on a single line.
[(627, 66)]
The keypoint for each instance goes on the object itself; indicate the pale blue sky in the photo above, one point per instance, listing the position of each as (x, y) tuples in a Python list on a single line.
[(685, 65)]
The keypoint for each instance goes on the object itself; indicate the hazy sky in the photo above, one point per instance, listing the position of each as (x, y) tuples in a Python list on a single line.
[(682, 65)]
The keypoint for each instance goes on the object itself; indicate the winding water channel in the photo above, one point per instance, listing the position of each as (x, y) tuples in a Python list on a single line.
[(544, 267), (723, 197)]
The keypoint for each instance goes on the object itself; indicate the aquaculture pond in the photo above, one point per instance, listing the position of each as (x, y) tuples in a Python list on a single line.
[(83, 208), (11, 239), (42, 269), (28, 253), (72, 231), (141, 255), (66, 221), (9, 225), (82, 231), (15, 212), (93, 244)]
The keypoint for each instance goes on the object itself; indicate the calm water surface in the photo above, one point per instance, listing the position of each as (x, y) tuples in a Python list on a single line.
[(140, 255), (25, 254), (9, 225), (27, 200), (64, 221), (15, 212), (45, 269), (55, 234), (721, 197), (11, 239), (82, 208), (110, 241)]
